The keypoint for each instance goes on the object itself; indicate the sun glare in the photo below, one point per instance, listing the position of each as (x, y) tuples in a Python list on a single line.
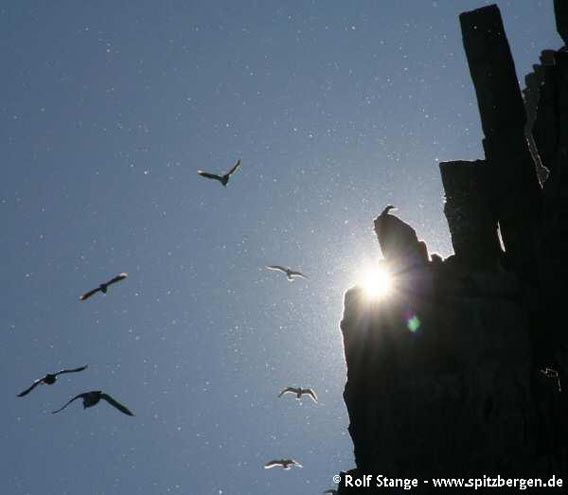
[(377, 282)]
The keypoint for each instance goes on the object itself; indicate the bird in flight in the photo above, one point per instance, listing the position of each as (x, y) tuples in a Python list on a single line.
[(49, 379), (284, 463), (91, 399), (104, 286), (290, 274), (223, 179), (299, 393)]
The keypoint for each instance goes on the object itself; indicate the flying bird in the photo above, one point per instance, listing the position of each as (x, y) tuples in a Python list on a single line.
[(299, 393), (284, 463), (104, 286), (223, 179), (91, 399), (290, 274), (49, 379)]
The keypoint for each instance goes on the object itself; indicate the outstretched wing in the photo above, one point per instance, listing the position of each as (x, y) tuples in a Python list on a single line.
[(297, 274), (234, 169), (271, 464), (28, 390), (277, 268), (118, 278), (331, 491), (75, 370), (311, 393), (116, 404), (86, 295), (288, 390), (80, 396), (207, 175), (296, 463)]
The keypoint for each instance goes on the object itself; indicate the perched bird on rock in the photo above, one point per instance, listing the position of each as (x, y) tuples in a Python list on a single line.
[(299, 393), (283, 463), (223, 179), (290, 274), (104, 286), (398, 240), (91, 399), (49, 379)]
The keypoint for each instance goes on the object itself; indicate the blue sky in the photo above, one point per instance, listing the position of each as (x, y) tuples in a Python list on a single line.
[(108, 109)]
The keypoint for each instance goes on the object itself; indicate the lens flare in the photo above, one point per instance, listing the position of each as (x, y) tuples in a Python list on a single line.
[(377, 282), (413, 324)]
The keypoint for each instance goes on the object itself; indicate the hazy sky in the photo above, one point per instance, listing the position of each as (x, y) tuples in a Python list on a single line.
[(108, 109)]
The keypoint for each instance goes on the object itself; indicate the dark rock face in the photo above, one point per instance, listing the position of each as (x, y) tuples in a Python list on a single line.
[(550, 131), (461, 371), (472, 224), (531, 95), (441, 382), (561, 13), (515, 195)]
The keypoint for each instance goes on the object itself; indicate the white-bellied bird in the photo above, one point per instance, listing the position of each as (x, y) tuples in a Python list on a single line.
[(299, 392), (290, 274), (283, 463)]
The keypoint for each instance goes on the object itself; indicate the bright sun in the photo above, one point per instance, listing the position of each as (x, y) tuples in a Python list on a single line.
[(376, 281)]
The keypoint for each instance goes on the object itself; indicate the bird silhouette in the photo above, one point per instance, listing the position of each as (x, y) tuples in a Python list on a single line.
[(104, 286), (290, 274), (92, 398), (223, 179), (299, 393), (284, 463), (397, 239), (388, 226), (49, 379)]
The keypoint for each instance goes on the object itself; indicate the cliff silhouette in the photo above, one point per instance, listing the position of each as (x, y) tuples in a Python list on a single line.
[(462, 371)]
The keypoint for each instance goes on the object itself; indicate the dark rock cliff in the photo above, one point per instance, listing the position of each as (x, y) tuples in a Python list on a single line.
[(460, 370)]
